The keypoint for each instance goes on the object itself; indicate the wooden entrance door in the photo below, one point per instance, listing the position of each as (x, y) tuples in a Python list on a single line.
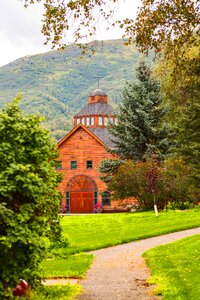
[(81, 202), (81, 189)]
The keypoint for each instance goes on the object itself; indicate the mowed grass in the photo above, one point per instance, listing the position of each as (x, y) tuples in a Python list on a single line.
[(176, 268), (74, 266), (56, 292), (90, 232)]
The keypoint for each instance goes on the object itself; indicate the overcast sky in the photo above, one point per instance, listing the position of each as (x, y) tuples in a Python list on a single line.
[(20, 28)]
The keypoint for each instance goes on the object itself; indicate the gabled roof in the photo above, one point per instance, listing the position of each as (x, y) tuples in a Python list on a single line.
[(104, 135), (98, 137)]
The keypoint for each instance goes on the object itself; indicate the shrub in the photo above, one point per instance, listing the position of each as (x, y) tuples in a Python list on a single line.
[(177, 183), (152, 182), (29, 201), (63, 242)]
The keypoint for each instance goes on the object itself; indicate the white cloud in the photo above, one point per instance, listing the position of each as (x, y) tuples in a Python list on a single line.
[(17, 21), (20, 30), (22, 46)]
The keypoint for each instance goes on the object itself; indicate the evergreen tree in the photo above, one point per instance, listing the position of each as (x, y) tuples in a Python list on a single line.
[(139, 131), (108, 168)]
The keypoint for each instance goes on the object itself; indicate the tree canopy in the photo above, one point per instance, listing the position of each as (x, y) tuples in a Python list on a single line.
[(183, 94), (158, 22), (150, 181), (171, 23)]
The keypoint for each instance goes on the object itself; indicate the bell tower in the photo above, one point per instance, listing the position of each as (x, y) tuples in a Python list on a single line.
[(97, 113)]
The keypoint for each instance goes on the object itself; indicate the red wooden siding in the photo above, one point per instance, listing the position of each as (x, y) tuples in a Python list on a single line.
[(82, 146)]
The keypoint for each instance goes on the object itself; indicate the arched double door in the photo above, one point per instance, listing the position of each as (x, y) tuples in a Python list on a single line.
[(81, 194)]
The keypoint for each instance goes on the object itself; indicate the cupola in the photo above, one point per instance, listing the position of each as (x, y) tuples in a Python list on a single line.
[(98, 96), (97, 113)]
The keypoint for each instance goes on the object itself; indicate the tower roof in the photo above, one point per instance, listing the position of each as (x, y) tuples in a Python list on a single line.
[(99, 108), (98, 92)]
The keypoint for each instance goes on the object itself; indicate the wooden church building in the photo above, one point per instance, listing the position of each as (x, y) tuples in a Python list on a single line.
[(81, 152)]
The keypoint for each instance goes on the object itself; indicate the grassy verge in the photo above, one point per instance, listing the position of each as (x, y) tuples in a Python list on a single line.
[(56, 292), (175, 269), (74, 266), (90, 232), (99, 231)]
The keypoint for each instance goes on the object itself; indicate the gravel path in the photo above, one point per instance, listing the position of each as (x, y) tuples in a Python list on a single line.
[(120, 273)]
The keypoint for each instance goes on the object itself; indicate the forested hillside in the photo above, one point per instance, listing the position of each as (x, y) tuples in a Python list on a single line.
[(56, 84)]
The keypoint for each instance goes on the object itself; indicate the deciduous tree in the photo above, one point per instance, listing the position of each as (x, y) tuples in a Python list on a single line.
[(165, 182), (184, 113), (158, 22), (169, 25)]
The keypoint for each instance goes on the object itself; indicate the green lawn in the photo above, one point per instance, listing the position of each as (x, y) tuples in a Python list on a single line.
[(90, 232), (176, 268), (74, 266), (56, 292), (97, 231)]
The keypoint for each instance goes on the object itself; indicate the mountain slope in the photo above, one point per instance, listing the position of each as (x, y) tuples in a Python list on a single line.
[(56, 84)]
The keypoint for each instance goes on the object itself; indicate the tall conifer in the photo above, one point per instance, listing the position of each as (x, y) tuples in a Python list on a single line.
[(139, 131)]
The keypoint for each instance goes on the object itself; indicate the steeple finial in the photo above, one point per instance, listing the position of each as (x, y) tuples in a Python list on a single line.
[(98, 77)]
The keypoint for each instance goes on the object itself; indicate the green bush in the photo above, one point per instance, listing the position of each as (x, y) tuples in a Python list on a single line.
[(29, 201), (178, 184), (150, 182), (63, 242), (181, 205)]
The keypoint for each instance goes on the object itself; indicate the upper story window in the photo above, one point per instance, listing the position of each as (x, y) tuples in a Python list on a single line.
[(58, 165), (73, 164), (77, 121), (92, 120), (100, 120), (88, 164), (87, 121), (83, 121)]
